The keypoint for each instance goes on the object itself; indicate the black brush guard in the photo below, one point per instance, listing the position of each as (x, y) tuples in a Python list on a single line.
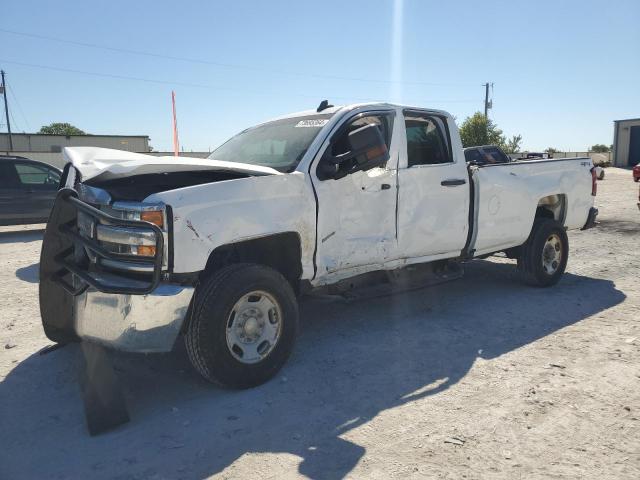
[(66, 270)]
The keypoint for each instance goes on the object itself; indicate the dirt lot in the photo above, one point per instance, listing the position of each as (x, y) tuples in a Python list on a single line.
[(478, 378)]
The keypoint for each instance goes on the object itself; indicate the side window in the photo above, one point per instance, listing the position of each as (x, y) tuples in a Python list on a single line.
[(473, 155), (383, 122), (32, 175), (8, 176), (426, 141)]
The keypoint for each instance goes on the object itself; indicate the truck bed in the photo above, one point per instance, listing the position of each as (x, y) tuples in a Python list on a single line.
[(505, 197)]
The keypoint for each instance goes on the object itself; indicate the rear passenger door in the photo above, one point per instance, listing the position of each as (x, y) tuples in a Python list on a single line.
[(433, 203)]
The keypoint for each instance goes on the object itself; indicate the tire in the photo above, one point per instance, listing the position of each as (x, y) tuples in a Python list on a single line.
[(546, 237), (220, 344)]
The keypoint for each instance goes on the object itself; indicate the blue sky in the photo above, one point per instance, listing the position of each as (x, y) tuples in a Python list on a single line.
[(563, 70)]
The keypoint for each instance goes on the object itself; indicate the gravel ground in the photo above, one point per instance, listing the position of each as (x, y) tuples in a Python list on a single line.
[(478, 378)]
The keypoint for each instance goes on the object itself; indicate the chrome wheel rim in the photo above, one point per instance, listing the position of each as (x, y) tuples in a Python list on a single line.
[(253, 327), (552, 254)]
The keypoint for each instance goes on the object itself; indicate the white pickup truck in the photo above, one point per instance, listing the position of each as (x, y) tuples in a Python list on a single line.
[(140, 250)]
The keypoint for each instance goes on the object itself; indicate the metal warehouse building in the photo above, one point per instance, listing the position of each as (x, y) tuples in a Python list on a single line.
[(626, 142), (38, 142), (48, 148)]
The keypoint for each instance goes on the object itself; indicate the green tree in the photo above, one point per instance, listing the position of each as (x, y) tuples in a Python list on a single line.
[(61, 129), (480, 130), (551, 150), (599, 148), (513, 144)]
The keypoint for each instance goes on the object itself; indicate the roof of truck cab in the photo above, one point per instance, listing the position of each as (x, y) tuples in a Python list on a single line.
[(337, 108)]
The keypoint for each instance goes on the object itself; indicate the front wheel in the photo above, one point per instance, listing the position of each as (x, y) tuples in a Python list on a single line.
[(544, 255), (243, 326)]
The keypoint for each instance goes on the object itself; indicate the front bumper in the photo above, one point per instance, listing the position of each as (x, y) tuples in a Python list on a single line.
[(132, 323), (81, 300)]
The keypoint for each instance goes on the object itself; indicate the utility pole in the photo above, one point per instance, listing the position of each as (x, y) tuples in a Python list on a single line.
[(6, 110), (487, 105), (486, 100)]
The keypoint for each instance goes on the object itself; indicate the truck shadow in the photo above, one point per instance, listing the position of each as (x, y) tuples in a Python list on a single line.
[(354, 360), (21, 236), (617, 226), (30, 273)]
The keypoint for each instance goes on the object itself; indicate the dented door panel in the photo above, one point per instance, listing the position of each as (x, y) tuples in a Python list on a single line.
[(357, 213)]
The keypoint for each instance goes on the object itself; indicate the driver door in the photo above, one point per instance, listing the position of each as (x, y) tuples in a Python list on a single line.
[(357, 213)]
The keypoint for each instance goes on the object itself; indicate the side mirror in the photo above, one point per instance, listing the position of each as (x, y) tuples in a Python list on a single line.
[(367, 150)]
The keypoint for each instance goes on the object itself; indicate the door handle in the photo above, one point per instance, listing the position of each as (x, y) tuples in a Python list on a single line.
[(385, 186), (453, 182)]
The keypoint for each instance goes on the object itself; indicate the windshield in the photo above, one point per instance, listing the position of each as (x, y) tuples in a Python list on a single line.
[(280, 144)]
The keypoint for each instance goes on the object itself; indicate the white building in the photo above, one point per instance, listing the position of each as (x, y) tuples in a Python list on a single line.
[(626, 142)]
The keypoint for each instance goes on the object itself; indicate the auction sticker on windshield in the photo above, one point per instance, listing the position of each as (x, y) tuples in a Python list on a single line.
[(318, 122)]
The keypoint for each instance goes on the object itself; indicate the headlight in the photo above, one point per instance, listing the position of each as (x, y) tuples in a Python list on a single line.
[(131, 240)]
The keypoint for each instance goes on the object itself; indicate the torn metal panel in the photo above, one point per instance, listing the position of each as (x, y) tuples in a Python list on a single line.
[(101, 164)]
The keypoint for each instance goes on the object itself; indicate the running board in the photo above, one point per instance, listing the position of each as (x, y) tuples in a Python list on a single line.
[(387, 283)]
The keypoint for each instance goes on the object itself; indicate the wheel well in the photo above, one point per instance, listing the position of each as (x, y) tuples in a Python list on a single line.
[(281, 251), (552, 206)]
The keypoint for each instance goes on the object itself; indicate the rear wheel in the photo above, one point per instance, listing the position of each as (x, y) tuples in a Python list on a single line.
[(544, 255), (243, 326)]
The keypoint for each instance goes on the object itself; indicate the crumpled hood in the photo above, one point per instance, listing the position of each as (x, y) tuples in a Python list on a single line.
[(107, 164)]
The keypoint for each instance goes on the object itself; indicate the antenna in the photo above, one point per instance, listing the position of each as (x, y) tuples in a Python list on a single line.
[(324, 104)]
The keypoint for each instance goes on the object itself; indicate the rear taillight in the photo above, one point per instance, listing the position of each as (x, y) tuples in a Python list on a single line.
[(594, 182)]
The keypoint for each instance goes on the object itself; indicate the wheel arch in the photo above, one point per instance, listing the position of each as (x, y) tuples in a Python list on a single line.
[(552, 206), (281, 251)]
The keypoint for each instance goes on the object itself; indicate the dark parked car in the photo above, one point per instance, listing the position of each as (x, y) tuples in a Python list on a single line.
[(485, 155), (27, 190)]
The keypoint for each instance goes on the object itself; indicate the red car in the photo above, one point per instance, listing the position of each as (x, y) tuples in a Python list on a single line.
[(636, 173)]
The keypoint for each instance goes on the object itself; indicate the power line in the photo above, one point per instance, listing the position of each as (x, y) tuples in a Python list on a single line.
[(15, 99), (13, 121), (225, 65), (204, 86)]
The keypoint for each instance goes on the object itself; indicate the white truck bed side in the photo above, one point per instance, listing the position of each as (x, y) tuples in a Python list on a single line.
[(508, 194)]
